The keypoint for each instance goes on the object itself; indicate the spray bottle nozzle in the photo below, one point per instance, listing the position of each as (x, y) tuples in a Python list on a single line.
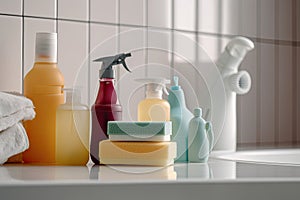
[(106, 70)]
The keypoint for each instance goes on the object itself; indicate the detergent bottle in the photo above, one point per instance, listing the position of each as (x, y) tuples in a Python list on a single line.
[(154, 107), (43, 85)]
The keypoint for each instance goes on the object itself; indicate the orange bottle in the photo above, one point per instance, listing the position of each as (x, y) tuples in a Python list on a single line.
[(43, 85)]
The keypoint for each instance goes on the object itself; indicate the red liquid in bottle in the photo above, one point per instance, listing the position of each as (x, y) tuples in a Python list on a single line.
[(106, 108)]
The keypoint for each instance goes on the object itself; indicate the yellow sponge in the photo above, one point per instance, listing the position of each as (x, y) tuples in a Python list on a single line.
[(137, 153)]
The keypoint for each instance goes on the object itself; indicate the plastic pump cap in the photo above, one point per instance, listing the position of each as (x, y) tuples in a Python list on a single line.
[(155, 86), (175, 86), (46, 47), (198, 112), (108, 62)]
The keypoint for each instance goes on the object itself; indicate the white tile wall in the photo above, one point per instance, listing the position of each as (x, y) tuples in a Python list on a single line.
[(249, 18), (11, 54), (133, 12), (159, 13), (267, 21), (11, 7), (211, 46), (285, 20), (298, 93), (230, 20), (45, 8), (267, 93), (247, 104), (103, 42), (285, 93), (217, 22), (159, 52), (298, 20), (127, 86), (104, 11), (72, 55), (184, 15), (209, 16), (79, 9), (31, 26), (185, 65), (184, 45)]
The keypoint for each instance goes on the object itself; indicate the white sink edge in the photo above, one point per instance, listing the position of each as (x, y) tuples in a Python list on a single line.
[(287, 157)]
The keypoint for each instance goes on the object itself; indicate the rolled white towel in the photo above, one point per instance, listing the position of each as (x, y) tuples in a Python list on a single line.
[(13, 140), (14, 109)]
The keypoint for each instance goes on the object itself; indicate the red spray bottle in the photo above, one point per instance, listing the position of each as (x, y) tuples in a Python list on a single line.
[(106, 107)]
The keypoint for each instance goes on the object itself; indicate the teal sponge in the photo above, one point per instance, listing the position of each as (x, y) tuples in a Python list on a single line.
[(139, 128)]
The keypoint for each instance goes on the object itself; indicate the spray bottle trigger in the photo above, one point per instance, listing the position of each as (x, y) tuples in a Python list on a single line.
[(164, 86), (125, 66), (165, 90)]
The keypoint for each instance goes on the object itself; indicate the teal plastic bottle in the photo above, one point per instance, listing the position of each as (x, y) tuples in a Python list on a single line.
[(200, 138), (180, 117)]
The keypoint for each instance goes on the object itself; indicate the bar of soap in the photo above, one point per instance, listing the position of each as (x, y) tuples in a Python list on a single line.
[(139, 131), (137, 153)]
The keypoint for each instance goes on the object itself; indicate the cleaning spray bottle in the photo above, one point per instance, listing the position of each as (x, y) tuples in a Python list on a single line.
[(180, 117), (106, 107), (72, 130), (154, 107), (43, 85)]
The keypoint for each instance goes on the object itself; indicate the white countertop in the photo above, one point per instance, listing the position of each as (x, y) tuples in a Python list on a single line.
[(217, 179)]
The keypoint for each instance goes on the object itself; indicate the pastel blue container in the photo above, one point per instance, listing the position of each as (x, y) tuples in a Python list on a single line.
[(180, 117), (200, 138)]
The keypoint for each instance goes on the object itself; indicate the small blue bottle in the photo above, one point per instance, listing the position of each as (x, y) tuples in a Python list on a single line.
[(180, 117), (200, 138)]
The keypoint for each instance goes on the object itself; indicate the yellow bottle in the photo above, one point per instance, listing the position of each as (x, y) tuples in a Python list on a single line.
[(43, 85), (154, 107), (72, 130)]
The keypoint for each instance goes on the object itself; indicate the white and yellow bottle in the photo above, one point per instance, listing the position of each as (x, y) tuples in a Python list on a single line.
[(154, 107), (43, 85), (72, 130)]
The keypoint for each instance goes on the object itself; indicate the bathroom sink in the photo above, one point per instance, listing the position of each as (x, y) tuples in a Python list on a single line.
[(274, 156)]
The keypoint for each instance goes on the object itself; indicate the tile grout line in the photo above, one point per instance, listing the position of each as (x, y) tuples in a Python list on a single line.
[(238, 97), (276, 80), (146, 35), (22, 47), (258, 78), (220, 24), (56, 30), (56, 20), (197, 48), (255, 39), (172, 72), (118, 13), (294, 73), (89, 51)]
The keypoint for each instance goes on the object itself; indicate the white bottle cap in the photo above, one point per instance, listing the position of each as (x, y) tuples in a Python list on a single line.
[(46, 47), (155, 87)]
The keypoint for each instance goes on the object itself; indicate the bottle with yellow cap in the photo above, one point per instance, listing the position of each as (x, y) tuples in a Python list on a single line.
[(43, 85)]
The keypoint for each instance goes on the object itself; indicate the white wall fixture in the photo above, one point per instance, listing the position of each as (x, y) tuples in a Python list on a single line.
[(236, 82)]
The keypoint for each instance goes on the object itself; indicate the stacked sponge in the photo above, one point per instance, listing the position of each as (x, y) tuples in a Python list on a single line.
[(138, 143)]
